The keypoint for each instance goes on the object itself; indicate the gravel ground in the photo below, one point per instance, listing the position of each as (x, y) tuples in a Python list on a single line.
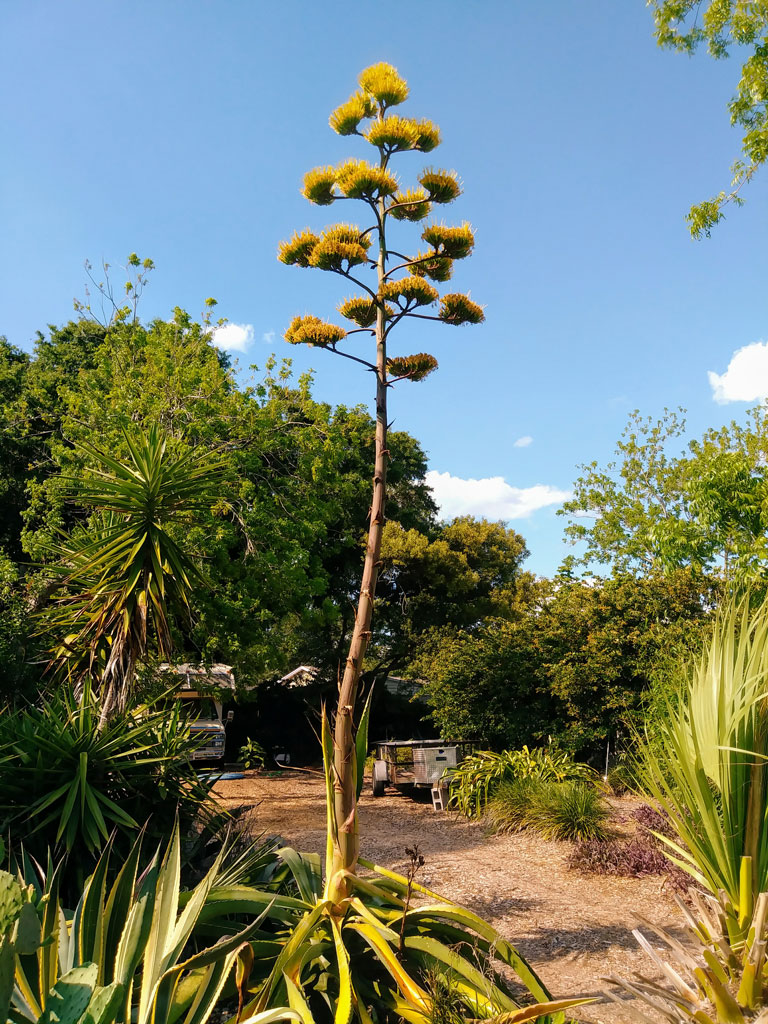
[(573, 928)]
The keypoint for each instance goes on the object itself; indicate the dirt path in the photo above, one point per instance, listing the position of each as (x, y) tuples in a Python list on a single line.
[(572, 928)]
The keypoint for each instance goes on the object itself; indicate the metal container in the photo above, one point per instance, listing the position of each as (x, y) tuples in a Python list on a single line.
[(430, 763)]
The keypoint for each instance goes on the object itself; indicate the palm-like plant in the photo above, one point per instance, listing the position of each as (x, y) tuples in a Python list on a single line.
[(706, 763), (125, 574)]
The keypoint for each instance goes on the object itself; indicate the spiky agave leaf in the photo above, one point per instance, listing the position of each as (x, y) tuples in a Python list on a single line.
[(362, 310), (299, 249), (413, 205), (384, 83), (311, 330), (346, 118), (455, 243), (442, 186), (457, 309), (358, 179), (318, 186), (412, 289), (339, 244), (415, 367), (436, 268)]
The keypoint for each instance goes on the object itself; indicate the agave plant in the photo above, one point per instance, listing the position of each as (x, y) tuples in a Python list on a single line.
[(369, 956), (720, 975), (706, 763), (124, 955)]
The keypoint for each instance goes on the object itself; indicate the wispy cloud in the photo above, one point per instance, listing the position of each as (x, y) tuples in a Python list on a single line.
[(523, 442), (233, 337), (746, 377), (268, 337), (491, 497)]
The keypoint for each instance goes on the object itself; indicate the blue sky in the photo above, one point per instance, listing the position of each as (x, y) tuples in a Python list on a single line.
[(180, 129)]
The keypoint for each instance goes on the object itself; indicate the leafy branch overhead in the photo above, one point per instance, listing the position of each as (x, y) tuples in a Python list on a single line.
[(683, 25)]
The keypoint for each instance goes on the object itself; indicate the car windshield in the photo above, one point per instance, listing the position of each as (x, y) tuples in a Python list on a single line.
[(198, 707)]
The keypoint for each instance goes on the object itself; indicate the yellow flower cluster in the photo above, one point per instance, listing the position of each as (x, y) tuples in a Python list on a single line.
[(311, 330), (455, 243), (358, 179), (299, 249), (442, 186), (384, 84), (318, 185), (412, 289), (346, 118), (459, 309), (397, 134), (415, 367), (413, 205), (436, 268)]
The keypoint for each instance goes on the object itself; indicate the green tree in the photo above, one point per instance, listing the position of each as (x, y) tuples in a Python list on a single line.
[(656, 509), (400, 288), (684, 25)]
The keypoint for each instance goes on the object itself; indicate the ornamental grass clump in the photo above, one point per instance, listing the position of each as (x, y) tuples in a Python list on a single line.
[(556, 810)]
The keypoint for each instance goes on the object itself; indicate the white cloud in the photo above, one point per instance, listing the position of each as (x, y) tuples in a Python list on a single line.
[(268, 336), (746, 377), (233, 337), (523, 442), (491, 498)]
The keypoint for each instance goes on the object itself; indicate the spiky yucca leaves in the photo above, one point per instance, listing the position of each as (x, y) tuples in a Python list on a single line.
[(398, 290), (124, 577), (712, 978), (415, 367), (706, 765)]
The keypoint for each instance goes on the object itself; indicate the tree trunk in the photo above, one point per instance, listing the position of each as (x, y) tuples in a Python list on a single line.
[(346, 848)]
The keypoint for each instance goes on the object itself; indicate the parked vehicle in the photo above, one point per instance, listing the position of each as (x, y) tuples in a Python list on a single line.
[(202, 691)]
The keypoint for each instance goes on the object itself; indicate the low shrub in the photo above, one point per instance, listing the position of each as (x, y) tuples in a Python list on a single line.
[(252, 755), (559, 810), (653, 820), (632, 858), (478, 776)]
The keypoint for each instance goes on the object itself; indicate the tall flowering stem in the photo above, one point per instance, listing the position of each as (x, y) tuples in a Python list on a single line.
[(395, 287)]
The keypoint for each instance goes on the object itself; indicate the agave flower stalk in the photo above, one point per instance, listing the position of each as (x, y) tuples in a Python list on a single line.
[(398, 289)]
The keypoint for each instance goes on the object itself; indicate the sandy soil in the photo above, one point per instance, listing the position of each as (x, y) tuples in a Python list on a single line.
[(571, 927)]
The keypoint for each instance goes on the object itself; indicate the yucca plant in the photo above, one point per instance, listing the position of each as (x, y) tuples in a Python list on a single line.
[(124, 955), (66, 785), (121, 578), (474, 781), (706, 763), (710, 978)]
